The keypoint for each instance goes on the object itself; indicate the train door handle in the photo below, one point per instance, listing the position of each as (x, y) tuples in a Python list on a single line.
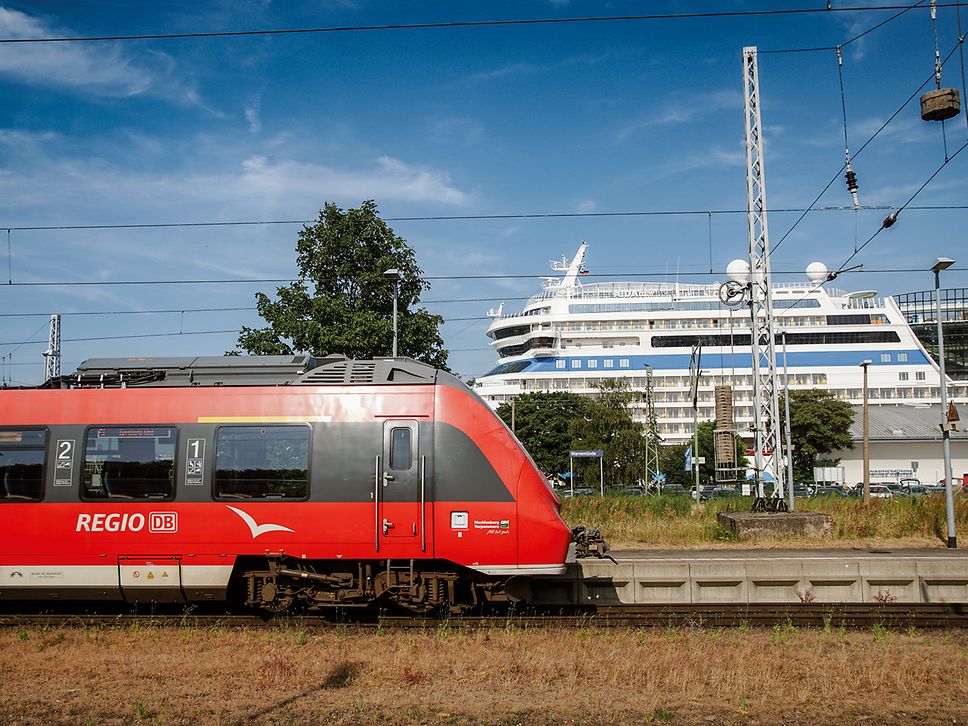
[(387, 477), (387, 525)]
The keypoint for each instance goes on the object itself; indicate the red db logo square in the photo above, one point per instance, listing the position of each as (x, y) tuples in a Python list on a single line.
[(163, 522)]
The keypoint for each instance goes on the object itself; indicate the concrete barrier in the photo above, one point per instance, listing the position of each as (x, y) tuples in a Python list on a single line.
[(761, 577)]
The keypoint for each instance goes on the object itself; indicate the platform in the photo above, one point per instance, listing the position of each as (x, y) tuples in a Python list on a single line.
[(761, 577)]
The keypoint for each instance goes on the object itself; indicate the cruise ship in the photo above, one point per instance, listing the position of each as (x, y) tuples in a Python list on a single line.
[(572, 334)]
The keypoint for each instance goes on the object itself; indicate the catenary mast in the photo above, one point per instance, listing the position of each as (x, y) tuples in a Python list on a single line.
[(766, 404)]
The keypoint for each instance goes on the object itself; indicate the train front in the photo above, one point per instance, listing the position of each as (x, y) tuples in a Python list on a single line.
[(496, 512)]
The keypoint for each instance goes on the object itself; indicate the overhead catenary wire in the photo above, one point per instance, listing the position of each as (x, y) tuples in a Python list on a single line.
[(450, 301), (427, 278), (791, 12), (859, 151), (472, 217), (850, 40), (886, 224)]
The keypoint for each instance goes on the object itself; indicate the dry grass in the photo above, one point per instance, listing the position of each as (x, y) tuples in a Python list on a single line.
[(675, 521), (739, 676)]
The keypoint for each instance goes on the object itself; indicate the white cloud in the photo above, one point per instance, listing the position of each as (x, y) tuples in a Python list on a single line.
[(511, 69), (253, 186), (20, 137), (388, 179), (457, 128), (253, 114), (586, 205), (682, 110), (97, 69)]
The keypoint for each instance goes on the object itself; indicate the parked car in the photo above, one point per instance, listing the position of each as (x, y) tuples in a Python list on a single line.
[(830, 491), (879, 491), (723, 493), (705, 491), (673, 489)]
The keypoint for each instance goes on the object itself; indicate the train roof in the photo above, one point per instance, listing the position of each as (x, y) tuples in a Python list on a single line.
[(242, 370)]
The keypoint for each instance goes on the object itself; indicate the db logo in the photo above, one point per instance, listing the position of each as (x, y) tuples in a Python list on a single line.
[(163, 522)]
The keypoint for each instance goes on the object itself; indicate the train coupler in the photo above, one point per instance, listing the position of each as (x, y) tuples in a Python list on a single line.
[(589, 542)]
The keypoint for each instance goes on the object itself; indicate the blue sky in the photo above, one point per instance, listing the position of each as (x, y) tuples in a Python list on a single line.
[(632, 116)]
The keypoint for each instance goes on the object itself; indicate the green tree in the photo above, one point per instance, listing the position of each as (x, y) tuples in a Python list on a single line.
[(342, 303), (609, 426), (819, 424), (542, 422)]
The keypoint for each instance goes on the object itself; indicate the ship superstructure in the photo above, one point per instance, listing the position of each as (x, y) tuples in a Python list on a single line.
[(572, 335)]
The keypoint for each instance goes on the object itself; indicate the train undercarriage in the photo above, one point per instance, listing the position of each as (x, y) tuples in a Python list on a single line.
[(283, 584)]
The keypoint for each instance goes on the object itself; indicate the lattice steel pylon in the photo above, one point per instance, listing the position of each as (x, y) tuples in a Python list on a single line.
[(766, 404), (53, 353), (652, 439)]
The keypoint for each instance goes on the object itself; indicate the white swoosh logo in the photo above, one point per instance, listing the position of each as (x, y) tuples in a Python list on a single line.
[(258, 529)]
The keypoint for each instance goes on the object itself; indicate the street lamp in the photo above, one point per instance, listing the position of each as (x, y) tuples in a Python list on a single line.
[(393, 275), (943, 263), (867, 449)]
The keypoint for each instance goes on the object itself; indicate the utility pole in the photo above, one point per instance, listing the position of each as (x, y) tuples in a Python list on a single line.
[(651, 430), (53, 353), (766, 405)]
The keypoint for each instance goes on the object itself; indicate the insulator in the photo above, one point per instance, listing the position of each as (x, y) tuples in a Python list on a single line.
[(851, 177)]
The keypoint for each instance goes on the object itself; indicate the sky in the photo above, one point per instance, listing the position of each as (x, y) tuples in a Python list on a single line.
[(597, 122)]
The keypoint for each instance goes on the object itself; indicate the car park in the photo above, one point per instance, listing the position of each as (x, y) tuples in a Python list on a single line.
[(830, 491), (723, 493), (673, 489)]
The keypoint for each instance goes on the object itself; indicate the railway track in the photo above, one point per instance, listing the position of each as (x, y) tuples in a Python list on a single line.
[(936, 615)]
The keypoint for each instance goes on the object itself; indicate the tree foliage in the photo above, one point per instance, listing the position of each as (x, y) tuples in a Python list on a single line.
[(609, 426), (342, 303), (819, 424), (542, 424)]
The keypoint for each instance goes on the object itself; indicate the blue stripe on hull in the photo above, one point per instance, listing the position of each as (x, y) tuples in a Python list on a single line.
[(710, 360)]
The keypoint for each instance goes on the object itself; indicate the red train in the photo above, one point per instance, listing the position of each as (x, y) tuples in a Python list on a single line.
[(272, 481)]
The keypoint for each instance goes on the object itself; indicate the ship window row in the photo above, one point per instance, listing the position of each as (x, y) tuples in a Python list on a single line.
[(577, 363), (677, 305), (825, 338), (664, 399), (738, 323), (138, 462)]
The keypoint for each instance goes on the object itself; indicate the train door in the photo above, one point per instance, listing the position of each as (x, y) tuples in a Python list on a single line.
[(400, 485)]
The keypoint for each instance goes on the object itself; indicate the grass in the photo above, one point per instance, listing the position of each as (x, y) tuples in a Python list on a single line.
[(538, 676), (676, 521)]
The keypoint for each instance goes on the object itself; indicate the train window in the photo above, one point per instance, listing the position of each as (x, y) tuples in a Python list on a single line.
[(400, 456), (22, 464), (262, 462), (129, 462)]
